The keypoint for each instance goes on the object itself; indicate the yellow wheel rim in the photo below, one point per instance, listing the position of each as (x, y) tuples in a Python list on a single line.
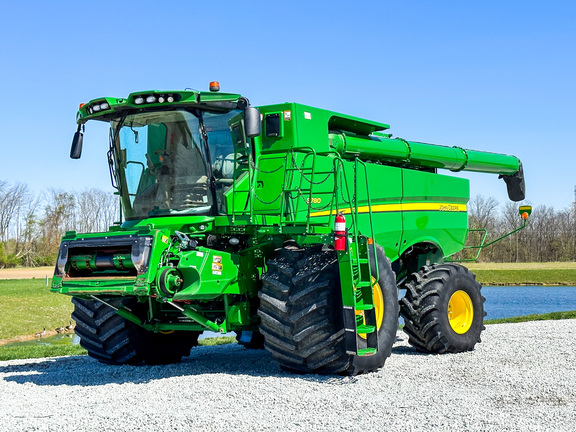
[(460, 312), (378, 298)]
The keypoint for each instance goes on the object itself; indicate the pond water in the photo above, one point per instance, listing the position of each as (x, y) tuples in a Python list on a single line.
[(512, 301), (60, 339)]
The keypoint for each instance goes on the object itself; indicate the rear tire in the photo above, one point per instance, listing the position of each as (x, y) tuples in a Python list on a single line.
[(443, 309), (111, 339), (301, 313)]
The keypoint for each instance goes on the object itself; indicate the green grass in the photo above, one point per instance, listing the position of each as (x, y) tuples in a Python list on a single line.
[(217, 341), (526, 277), (556, 273), (17, 351), (39, 348), (27, 306), (558, 265), (536, 317)]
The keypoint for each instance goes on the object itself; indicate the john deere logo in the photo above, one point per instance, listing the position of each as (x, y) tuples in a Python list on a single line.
[(448, 208)]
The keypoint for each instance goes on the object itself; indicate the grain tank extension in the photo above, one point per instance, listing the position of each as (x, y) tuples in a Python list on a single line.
[(292, 226)]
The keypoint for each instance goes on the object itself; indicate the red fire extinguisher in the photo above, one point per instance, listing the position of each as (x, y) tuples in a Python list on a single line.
[(340, 232)]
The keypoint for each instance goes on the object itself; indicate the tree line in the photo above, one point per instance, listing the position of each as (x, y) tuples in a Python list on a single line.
[(31, 227), (550, 234)]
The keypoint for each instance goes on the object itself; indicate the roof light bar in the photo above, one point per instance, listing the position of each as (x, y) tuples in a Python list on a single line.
[(156, 99), (97, 107)]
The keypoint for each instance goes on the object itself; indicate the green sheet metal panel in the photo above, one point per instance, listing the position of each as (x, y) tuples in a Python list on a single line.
[(268, 183), (434, 210)]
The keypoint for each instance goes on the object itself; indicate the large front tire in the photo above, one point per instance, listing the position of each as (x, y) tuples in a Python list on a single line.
[(301, 313), (111, 339), (443, 309)]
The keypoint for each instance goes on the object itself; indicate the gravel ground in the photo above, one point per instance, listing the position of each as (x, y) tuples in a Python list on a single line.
[(522, 377)]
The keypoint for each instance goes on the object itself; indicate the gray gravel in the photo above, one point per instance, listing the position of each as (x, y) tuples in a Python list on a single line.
[(522, 377)]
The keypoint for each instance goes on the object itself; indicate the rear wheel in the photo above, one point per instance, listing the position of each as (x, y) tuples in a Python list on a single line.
[(111, 339), (443, 309), (301, 313)]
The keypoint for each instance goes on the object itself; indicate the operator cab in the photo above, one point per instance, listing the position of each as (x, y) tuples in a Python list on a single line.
[(165, 166), (173, 155)]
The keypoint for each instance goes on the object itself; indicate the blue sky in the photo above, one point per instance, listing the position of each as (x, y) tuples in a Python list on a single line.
[(497, 76)]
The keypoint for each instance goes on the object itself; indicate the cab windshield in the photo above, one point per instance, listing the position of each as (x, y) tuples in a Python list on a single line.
[(176, 162)]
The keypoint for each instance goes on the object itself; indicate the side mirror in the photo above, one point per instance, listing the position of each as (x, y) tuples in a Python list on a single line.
[(76, 149), (525, 211), (252, 122)]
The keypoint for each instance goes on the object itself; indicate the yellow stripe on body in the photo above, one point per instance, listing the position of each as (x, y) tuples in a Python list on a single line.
[(382, 208)]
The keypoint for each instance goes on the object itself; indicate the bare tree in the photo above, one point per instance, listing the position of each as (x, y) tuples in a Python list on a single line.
[(29, 237), (12, 199), (96, 210), (482, 214), (58, 218), (508, 249), (109, 210)]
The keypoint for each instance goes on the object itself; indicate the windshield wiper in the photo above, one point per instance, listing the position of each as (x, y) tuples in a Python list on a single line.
[(112, 152), (209, 169)]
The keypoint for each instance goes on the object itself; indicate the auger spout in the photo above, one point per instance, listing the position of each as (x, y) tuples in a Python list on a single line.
[(398, 151)]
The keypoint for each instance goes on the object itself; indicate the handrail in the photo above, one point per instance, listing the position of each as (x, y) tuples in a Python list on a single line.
[(370, 219), (482, 245)]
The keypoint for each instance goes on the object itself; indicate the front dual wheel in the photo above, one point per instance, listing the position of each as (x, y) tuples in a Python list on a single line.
[(443, 309), (112, 339)]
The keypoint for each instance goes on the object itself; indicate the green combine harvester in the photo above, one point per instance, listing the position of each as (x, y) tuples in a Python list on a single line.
[(290, 225)]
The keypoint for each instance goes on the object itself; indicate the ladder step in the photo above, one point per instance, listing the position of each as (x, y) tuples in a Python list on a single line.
[(364, 307), (367, 351), (363, 329)]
